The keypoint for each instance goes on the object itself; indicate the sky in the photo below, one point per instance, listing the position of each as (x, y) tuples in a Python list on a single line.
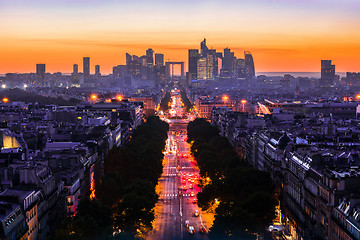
[(283, 35)]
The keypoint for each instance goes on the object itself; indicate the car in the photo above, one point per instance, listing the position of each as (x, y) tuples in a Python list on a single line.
[(188, 201), (195, 200), (202, 229), (192, 194), (191, 230), (191, 186), (196, 213), (187, 223)]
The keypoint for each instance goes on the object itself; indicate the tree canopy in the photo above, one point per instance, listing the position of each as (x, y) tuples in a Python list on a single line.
[(245, 195)]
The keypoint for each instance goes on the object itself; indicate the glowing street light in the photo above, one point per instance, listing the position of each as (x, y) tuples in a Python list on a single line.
[(3, 86), (225, 98), (5, 100), (243, 104), (119, 98), (25, 85), (358, 97), (93, 97)]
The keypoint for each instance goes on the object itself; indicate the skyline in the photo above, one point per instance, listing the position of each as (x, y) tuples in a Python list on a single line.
[(283, 36)]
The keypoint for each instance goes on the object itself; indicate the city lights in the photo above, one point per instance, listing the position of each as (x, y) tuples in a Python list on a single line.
[(225, 98), (93, 97), (5, 100), (3, 86), (119, 98)]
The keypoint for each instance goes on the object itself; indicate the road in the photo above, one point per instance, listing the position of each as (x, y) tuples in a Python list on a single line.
[(177, 186)]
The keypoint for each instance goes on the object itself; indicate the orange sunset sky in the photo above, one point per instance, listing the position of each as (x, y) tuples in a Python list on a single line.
[(283, 35)]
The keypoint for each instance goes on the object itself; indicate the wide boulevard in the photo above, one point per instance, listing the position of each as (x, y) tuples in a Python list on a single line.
[(178, 185)]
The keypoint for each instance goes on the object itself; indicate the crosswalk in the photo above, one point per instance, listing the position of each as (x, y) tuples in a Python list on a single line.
[(174, 195)]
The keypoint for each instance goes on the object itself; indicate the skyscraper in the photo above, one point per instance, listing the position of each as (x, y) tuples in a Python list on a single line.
[(205, 68), (97, 70), (204, 49), (134, 66), (228, 62), (193, 59), (149, 57), (86, 67), (40, 74), (159, 59), (75, 69), (240, 68), (249, 65), (327, 73)]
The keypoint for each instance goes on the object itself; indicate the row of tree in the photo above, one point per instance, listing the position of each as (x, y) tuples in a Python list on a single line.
[(242, 196), (184, 98), (126, 197), (165, 101)]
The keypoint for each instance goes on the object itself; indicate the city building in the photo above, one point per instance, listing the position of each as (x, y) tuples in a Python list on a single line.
[(75, 69), (192, 63), (159, 59), (86, 67), (205, 68), (327, 74), (40, 75), (149, 57), (97, 70), (249, 65)]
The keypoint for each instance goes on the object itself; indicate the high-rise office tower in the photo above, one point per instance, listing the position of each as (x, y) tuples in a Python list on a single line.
[(86, 67), (192, 67), (75, 69), (240, 68), (159, 59), (97, 70), (205, 68), (134, 66), (327, 73), (204, 49), (249, 64), (149, 57), (40, 74), (228, 62)]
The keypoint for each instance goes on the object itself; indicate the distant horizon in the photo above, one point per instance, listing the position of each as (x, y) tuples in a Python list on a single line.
[(282, 35), (269, 74)]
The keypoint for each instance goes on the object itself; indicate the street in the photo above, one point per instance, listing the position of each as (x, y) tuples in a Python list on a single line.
[(178, 185)]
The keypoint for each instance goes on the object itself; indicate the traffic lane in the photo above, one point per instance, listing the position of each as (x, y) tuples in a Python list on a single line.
[(168, 207)]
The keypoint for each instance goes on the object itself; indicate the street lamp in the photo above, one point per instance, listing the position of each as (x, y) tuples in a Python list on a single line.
[(119, 98), (225, 98), (5, 100), (93, 97), (243, 104)]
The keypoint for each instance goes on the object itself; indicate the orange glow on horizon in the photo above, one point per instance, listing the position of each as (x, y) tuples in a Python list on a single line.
[(60, 58)]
